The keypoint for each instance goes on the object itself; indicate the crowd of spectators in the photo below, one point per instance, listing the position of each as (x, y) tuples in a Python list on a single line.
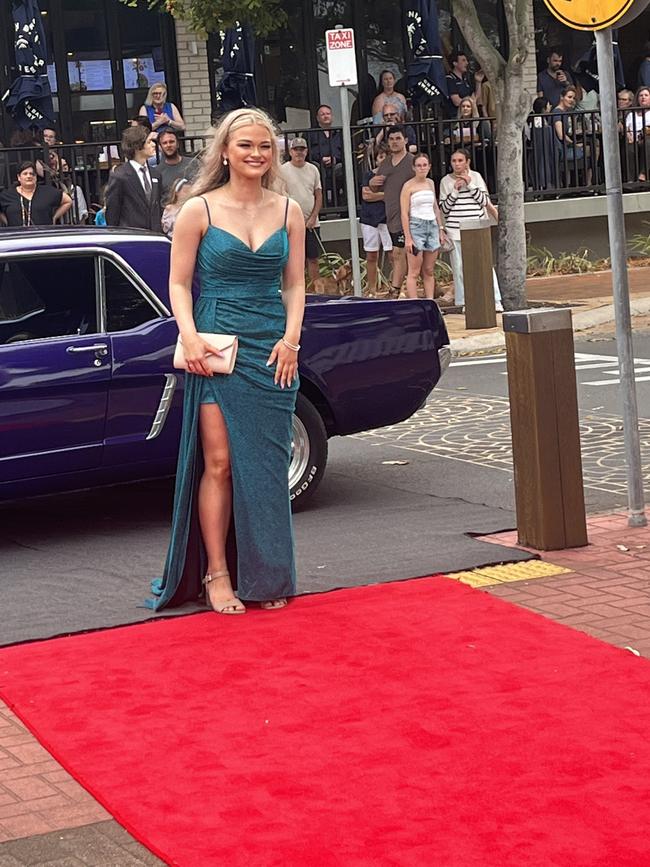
[(149, 175)]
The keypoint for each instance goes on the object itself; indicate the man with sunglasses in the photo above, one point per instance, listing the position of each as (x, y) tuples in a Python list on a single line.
[(304, 185), (393, 115)]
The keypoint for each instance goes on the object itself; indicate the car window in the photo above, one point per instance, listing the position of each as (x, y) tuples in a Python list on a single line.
[(126, 306), (47, 296)]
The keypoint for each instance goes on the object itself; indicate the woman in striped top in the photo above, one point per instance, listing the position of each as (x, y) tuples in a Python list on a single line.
[(464, 196)]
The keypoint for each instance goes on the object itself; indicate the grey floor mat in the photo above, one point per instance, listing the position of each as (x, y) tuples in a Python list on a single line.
[(81, 562)]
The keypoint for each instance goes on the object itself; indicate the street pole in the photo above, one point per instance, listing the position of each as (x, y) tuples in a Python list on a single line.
[(350, 188), (618, 251)]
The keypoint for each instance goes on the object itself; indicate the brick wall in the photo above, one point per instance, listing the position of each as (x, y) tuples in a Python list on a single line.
[(194, 78), (530, 72)]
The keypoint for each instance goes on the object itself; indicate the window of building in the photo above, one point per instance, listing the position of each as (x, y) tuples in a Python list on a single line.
[(47, 297), (327, 14), (384, 29), (126, 306), (285, 80), (90, 76), (143, 62)]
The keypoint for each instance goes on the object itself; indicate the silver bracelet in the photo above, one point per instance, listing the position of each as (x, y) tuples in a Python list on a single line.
[(294, 346)]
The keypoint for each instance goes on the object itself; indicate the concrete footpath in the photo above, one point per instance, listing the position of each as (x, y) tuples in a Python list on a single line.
[(588, 295), (48, 820)]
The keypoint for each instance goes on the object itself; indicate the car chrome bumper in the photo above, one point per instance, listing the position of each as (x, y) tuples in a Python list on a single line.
[(444, 357)]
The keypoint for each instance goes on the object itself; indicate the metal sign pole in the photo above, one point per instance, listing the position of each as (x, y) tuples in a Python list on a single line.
[(618, 251), (349, 189)]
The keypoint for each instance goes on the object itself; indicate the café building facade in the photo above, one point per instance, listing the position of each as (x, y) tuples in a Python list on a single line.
[(103, 56)]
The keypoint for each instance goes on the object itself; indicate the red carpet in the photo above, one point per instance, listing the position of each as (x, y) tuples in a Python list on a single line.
[(418, 723)]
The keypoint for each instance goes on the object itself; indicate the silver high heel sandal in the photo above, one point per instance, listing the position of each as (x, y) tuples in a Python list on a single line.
[(230, 606)]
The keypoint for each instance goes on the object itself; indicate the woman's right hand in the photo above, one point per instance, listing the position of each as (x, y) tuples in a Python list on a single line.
[(408, 243), (196, 350)]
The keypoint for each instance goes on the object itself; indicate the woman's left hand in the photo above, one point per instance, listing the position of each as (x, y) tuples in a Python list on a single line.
[(286, 369)]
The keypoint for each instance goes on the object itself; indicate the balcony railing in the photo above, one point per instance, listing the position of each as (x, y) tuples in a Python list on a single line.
[(562, 157)]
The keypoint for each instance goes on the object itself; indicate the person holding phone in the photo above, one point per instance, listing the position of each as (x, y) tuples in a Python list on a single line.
[(423, 228), (464, 196), (554, 79)]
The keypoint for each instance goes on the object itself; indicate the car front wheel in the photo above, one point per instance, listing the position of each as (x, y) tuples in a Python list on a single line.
[(308, 453)]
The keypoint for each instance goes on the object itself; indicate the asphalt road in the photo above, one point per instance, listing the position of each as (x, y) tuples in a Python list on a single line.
[(395, 503)]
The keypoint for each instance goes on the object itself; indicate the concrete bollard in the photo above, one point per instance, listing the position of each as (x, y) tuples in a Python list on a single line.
[(476, 250), (545, 429)]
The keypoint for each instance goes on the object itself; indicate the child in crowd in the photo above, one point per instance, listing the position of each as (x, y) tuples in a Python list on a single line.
[(100, 213), (373, 220)]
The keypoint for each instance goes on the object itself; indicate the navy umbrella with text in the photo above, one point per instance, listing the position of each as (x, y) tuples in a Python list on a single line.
[(237, 87), (587, 66), (29, 99), (425, 72)]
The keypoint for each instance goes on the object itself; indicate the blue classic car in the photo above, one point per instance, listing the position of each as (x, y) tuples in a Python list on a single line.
[(88, 395)]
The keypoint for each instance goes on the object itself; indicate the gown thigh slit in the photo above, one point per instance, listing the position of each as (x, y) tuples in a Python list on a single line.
[(240, 294)]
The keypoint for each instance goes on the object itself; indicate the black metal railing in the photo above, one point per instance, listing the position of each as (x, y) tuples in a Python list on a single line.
[(562, 157)]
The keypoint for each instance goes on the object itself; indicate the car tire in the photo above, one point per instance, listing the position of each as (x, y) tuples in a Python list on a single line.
[(308, 453)]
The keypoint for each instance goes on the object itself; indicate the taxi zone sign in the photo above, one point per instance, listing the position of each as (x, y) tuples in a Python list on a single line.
[(341, 60)]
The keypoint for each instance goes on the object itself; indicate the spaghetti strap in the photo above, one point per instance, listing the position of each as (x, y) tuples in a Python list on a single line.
[(207, 208), (286, 211)]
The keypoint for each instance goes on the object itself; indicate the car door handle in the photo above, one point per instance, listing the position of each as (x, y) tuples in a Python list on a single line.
[(99, 348)]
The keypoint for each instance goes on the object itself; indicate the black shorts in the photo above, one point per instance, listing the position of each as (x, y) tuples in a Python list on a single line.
[(312, 247), (398, 239)]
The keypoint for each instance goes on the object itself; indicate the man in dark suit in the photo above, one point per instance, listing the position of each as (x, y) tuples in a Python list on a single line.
[(132, 194)]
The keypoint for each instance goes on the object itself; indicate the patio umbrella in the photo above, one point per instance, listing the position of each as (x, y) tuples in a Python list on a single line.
[(425, 73), (237, 87), (587, 66), (29, 99)]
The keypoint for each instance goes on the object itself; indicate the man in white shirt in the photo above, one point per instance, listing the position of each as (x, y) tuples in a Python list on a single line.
[(132, 194), (304, 185)]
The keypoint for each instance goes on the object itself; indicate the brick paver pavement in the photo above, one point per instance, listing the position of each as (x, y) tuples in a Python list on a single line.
[(607, 594), (47, 818)]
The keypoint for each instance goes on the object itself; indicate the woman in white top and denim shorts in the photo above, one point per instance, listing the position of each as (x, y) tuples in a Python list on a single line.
[(423, 229)]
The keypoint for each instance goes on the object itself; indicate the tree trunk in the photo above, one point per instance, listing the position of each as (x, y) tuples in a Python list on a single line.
[(513, 106), (511, 233)]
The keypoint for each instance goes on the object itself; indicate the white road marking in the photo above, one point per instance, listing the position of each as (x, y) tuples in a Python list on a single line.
[(608, 364)]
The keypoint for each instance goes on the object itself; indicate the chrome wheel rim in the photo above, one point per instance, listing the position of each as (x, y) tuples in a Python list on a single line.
[(299, 452)]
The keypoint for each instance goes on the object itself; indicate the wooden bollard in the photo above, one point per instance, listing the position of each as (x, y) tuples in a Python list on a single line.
[(545, 429), (476, 250)]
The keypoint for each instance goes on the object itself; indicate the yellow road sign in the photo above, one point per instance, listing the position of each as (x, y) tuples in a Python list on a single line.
[(595, 14)]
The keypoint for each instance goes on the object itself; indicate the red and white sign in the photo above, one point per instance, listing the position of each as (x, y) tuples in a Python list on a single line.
[(341, 59)]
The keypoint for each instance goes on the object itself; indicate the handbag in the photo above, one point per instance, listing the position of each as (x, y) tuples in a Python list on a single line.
[(447, 245), (223, 343)]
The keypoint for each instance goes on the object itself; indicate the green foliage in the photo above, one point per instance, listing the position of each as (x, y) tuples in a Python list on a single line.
[(641, 243), (211, 16), (542, 263)]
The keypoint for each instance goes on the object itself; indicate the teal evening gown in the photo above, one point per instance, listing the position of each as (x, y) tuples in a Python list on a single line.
[(240, 294)]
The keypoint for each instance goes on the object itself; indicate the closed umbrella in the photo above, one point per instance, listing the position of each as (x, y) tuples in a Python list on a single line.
[(237, 87), (29, 99), (587, 65), (425, 72)]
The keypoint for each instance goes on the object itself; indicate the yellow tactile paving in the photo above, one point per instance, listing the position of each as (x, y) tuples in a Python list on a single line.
[(526, 571)]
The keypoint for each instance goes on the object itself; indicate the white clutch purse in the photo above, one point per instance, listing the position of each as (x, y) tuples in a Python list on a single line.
[(223, 343)]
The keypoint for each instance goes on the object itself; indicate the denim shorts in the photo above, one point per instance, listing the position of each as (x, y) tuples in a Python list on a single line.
[(425, 234)]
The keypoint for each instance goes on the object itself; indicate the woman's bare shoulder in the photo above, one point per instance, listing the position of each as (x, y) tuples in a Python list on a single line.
[(195, 204)]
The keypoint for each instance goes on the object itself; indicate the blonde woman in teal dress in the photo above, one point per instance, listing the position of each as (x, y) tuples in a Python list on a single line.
[(231, 531)]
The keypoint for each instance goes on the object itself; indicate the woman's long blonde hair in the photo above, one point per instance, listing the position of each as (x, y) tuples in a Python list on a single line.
[(472, 101), (214, 173), (159, 85)]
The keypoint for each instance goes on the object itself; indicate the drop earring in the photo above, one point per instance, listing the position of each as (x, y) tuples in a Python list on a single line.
[(225, 161)]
